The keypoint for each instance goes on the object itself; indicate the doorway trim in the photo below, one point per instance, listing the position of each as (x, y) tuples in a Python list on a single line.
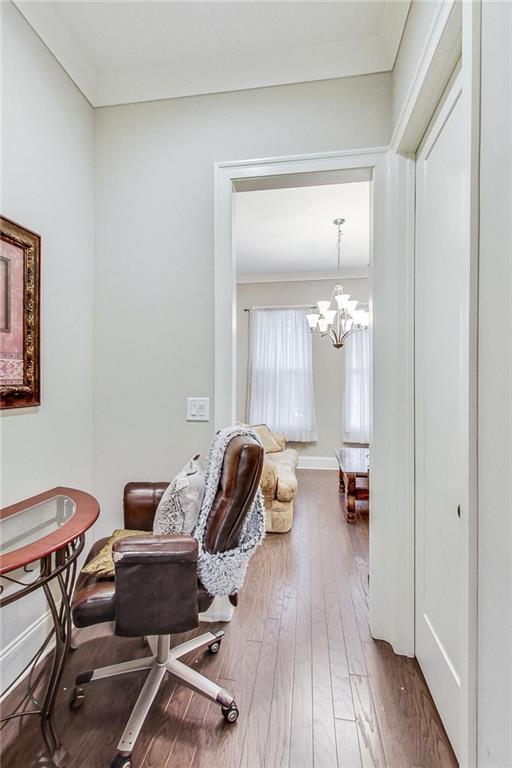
[(455, 34), (226, 174), (391, 302)]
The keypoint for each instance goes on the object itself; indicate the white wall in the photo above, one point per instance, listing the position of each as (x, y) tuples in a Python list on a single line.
[(328, 368), (154, 292), (154, 278), (48, 186), (495, 388), (419, 20)]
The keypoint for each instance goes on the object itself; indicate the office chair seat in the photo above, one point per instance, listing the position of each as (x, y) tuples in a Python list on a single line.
[(94, 597)]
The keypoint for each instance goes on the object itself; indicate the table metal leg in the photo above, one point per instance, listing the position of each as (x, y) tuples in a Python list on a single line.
[(63, 574), (62, 632)]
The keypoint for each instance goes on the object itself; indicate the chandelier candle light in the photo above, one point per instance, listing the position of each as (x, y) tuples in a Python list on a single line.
[(338, 318)]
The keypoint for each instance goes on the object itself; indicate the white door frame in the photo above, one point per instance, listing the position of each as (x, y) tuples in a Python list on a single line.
[(226, 173), (391, 290), (455, 34)]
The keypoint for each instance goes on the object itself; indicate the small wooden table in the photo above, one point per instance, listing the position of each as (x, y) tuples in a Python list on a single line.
[(354, 479)]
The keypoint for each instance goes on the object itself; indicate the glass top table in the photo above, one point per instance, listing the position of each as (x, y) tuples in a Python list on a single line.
[(33, 523), (49, 528), (353, 459), (43, 524)]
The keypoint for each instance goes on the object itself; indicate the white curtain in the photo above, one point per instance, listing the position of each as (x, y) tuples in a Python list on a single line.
[(281, 373), (357, 388)]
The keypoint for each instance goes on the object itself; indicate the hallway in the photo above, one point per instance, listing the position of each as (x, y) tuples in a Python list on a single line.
[(312, 686)]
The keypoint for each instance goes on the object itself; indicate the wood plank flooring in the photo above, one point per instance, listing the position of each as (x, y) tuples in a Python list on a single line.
[(312, 686)]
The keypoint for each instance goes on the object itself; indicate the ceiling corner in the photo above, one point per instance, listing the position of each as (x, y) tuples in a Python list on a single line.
[(104, 86), (49, 27)]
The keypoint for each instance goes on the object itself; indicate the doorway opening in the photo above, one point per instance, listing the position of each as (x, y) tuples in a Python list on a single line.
[(286, 257)]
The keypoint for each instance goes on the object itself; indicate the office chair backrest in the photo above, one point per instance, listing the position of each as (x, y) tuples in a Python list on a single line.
[(238, 484)]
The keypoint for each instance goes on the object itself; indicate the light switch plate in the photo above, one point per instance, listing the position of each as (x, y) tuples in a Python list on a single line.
[(198, 409)]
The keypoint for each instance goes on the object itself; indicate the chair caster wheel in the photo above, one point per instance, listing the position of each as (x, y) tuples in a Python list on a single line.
[(77, 698), (231, 713), (214, 647), (120, 761)]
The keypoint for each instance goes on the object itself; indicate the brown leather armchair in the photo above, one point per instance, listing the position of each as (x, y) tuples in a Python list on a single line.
[(156, 591)]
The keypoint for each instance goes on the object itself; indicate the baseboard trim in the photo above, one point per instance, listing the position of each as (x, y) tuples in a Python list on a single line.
[(16, 655), (317, 462)]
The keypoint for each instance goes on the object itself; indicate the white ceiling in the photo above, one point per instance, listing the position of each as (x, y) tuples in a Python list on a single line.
[(119, 52), (290, 231)]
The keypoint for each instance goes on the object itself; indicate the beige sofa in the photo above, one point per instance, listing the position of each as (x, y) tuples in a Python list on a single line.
[(279, 488)]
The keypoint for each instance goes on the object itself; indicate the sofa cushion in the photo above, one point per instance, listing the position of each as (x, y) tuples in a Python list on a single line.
[(281, 439), (268, 439)]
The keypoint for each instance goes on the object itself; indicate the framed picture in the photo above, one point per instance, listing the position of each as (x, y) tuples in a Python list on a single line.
[(19, 315)]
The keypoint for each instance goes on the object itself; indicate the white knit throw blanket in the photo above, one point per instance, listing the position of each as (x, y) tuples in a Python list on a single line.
[(223, 573)]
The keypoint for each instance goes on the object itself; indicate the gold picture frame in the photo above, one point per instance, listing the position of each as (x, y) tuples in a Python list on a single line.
[(20, 251)]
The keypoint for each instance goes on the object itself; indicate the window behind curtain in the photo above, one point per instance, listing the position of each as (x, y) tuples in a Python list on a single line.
[(281, 373), (357, 388)]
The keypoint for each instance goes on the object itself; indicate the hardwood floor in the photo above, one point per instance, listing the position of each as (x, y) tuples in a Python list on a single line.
[(312, 686)]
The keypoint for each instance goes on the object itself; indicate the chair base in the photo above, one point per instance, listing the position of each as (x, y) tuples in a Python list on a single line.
[(165, 661)]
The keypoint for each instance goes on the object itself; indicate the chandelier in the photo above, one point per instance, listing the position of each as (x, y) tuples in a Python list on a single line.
[(338, 318)]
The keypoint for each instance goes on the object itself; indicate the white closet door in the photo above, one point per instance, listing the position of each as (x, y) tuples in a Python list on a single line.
[(442, 350)]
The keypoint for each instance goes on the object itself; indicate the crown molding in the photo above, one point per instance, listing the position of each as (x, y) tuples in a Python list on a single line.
[(252, 70), (394, 19), (272, 67), (436, 62), (49, 27), (350, 273)]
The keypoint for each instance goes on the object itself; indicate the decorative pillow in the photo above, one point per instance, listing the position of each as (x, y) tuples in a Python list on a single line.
[(102, 565), (267, 437), (181, 502), (281, 439)]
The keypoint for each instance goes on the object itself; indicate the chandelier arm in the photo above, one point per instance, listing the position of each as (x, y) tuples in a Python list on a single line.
[(331, 333), (352, 330)]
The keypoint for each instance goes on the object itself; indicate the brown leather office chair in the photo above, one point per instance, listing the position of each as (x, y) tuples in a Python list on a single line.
[(156, 591)]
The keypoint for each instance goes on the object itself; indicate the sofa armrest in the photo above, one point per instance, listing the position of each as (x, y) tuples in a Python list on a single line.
[(156, 585), (268, 482), (286, 483), (140, 501)]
